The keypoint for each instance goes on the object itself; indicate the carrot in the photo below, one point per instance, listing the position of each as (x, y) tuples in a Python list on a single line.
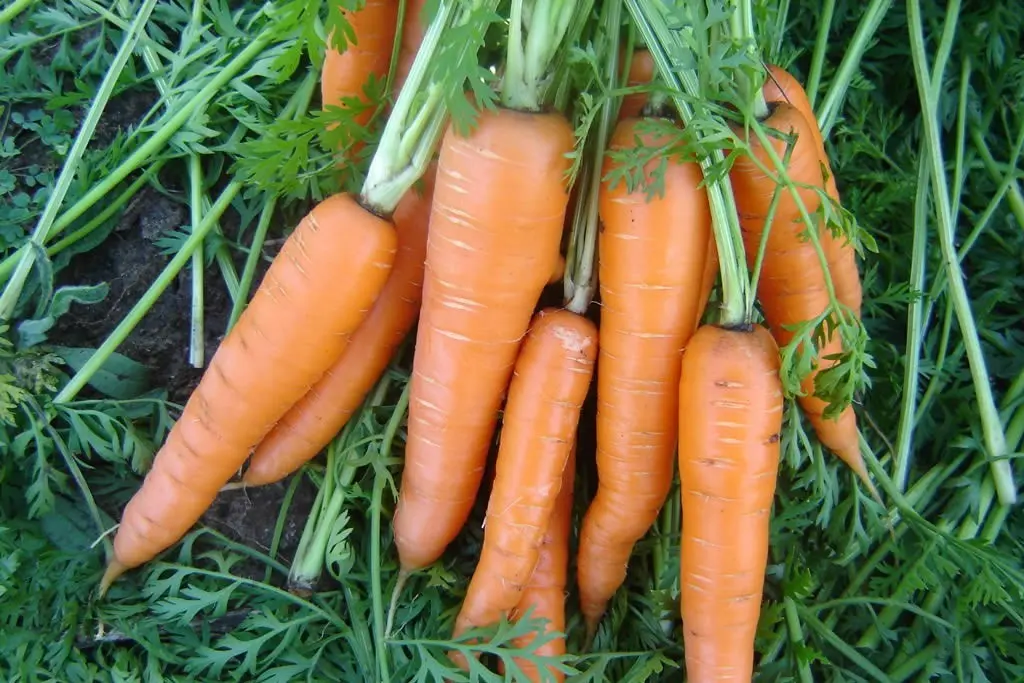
[(792, 283), (730, 417), (781, 86), (316, 292), (413, 28), (652, 270), (551, 380), (312, 422), (545, 592), (641, 71)]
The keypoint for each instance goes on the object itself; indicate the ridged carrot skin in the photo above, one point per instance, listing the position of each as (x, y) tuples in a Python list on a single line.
[(641, 71), (312, 422), (791, 287), (551, 380), (781, 86), (317, 291), (652, 272), (495, 228), (730, 416)]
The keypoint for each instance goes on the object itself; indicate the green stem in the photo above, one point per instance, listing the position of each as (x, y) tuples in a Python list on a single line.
[(796, 637), (779, 32), (820, 46), (737, 297), (742, 26), (41, 233), (1016, 200), (833, 101), (911, 666), (196, 346), (995, 439), (529, 60), (8, 14), (166, 277)]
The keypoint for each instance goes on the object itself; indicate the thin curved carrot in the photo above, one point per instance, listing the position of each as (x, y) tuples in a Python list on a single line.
[(312, 422), (551, 381), (495, 229), (641, 71), (652, 270), (792, 287), (730, 416), (316, 293)]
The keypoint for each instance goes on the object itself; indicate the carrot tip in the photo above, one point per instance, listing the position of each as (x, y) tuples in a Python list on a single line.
[(234, 486), (114, 570)]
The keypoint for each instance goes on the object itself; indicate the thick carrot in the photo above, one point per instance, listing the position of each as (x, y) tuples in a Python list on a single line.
[(730, 416), (317, 291), (653, 258), (545, 592), (495, 228), (311, 424), (551, 380), (781, 86), (792, 286), (414, 27), (641, 71)]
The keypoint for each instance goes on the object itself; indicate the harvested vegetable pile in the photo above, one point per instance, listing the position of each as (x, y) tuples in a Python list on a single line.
[(536, 340)]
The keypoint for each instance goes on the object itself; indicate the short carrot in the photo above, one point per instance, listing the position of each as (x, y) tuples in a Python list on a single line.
[(652, 273), (317, 291), (312, 422), (641, 71), (792, 286), (730, 416)]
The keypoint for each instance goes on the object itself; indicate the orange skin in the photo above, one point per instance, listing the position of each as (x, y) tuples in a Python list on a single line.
[(317, 291), (545, 592), (495, 229), (312, 422), (641, 72), (781, 86), (792, 287), (730, 416), (551, 381), (414, 27), (652, 272)]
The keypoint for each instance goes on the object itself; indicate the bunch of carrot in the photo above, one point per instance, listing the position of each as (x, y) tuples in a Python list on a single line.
[(461, 261)]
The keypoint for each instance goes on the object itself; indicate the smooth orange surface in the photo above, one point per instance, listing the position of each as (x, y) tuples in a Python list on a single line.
[(317, 291), (651, 273), (641, 72), (311, 424), (495, 230), (730, 416)]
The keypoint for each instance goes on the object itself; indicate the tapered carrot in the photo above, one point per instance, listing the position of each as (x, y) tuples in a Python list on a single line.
[(551, 380), (311, 424), (730, 416), (781, 86), (792, 287), (316, 292), (653, 258), (641, 71)]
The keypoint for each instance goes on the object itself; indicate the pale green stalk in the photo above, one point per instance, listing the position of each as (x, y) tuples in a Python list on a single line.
[(197, 337), (820, 46), (12, 292), (8, 14), (1015, 199)]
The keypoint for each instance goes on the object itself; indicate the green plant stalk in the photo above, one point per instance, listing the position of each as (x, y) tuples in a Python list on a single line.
[(1015, 199), (911, 666), (12, 292), (833, 102), (995, 439), (818, 57), (145, 42), (529, 60), (282, 519), (170, 271), (796, 637), (743, 32), (782, 14), (196, 349), (9, 13), (737, 296)]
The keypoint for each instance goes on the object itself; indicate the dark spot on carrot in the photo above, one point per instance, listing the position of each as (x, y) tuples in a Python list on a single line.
[(774, 438)]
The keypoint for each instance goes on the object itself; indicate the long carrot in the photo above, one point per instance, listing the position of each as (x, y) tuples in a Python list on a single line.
[(792, 286), (312, 422), (653, 259), (781, 86), (551, 380), (730, 416), (316, 292)]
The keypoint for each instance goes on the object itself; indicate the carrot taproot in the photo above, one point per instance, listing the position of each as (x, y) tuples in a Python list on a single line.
[(318, 289), (545, 592), (652, 270), (495, 228), (550, 382), (782, 86), (414, 27), (312, 422), (641, 71), (730, 417), (792, 287)]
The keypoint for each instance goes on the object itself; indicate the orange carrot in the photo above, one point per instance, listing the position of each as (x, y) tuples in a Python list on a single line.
[(653, 259), (551, 380), (641, 71), (730, 416), (781, 86), (311, 424), (792, 283), (545, 592), (414, 27), (495, 228), (317, 291)]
